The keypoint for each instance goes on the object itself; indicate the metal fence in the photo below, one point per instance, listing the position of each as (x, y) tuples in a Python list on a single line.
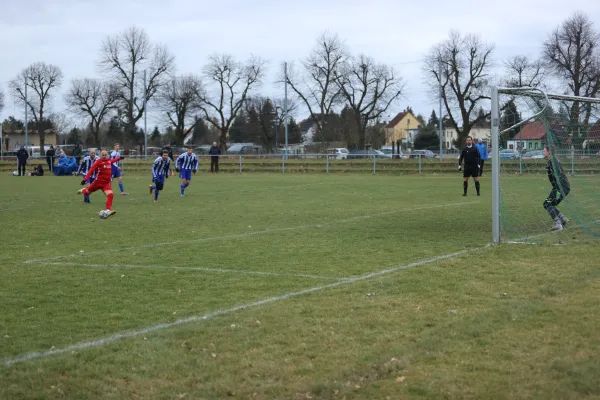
[(573, 163)]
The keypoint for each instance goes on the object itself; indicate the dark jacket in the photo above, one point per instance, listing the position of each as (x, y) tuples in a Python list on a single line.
[(214, 151), (50, 153), (22, 156), (77, 151)]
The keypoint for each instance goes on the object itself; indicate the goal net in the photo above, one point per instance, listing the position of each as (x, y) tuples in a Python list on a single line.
[(527, 207)]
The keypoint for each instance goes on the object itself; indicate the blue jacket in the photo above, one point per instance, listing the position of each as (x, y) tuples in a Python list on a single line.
[(63, 160), (483, 153)]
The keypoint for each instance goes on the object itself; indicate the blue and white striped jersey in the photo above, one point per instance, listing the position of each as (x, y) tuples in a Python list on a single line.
[(115, 154), (161, 167), (187, 161), (86, 164)]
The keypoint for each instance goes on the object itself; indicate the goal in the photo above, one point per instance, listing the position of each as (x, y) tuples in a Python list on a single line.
[(524, 121)]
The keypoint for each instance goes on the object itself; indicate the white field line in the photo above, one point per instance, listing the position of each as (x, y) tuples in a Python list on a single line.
[(247, 234), (203, 269), (137, 332), (525, 239)]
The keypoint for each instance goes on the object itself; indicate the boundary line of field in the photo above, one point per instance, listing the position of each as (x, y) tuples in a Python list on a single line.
[(203, 269), (133, 333), (247, 234)]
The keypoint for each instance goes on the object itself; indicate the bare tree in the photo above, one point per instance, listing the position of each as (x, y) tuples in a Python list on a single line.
[(523, 72), (465, 62), (229, 85), (41, 79), (92, 100), (124, 58), (369, 89), (1, 100), (316, 85), (571, 52), (179, 99)]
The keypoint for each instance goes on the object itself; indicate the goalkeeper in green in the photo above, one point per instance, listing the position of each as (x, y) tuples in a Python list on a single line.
[(560, 190)]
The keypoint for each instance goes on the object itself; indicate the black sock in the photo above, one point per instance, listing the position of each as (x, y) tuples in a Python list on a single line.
[(477, 187), (465, 186)]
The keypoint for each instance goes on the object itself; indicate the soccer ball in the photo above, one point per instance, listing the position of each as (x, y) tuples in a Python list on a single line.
[(15, 173), (103, 214)]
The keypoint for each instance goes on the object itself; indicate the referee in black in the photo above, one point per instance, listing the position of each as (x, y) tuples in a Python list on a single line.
[(472, 163)]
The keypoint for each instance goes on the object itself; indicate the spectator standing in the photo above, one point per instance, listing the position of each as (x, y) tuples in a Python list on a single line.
[(22, 157), (215, 153), (50, 157), (483, 153), (77, 153)]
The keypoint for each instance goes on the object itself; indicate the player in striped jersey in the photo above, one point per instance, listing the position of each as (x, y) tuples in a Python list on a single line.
[(186, 164), (116, 168), (160, 172), (85, 166)]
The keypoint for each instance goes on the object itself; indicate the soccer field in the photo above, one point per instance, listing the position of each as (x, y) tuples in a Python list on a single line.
[(270, 286)]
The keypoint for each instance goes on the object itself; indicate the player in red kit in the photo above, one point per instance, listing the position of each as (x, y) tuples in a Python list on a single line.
[(103, 166)]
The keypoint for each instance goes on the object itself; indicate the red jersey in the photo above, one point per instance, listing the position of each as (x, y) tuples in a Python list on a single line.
[(104, 168)]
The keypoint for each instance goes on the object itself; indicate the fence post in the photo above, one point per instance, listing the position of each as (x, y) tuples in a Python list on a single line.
[(327, 163), (572, 162), (520, 164), (283, 163), (374, 164), (419, 164), (240, 163)]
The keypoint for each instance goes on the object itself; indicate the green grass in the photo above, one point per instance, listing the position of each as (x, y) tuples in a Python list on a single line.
[(509, 321)]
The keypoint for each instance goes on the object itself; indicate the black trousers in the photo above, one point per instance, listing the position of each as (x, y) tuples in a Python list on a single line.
[(214, 164), (49, 162), (21, 167), (481, 168)]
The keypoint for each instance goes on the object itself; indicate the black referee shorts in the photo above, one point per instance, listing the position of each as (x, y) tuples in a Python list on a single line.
[(470, 171)]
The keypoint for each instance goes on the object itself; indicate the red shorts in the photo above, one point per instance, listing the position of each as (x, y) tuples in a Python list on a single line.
[(104, 186)]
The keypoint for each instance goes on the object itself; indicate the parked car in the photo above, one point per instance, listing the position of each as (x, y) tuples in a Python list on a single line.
[(380, 154), (508, 154), (389, 150), (533, 155), (339, 153), (422, 154)]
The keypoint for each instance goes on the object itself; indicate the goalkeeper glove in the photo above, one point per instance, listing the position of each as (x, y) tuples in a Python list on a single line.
[(194, 172), (83, 182), (176, 169), (459, 167)]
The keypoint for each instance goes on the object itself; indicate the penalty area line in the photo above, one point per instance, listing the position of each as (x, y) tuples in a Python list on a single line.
[(133, 333), (231, 271)]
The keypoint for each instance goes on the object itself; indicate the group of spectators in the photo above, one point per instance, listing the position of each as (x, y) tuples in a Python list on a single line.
[(58, 161)]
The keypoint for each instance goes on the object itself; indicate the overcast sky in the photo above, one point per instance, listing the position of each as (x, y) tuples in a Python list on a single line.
[(69, 33)]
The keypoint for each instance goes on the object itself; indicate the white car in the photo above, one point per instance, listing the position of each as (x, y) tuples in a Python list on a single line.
[(340, 153)]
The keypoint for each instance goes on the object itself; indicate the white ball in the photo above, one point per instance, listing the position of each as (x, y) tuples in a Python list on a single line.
[(103, 214), (15, 173)]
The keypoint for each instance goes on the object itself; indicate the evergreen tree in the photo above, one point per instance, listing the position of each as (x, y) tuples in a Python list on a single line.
[(155, 138), (427, 139), (510, 116), (350, 132), (433, 120), (115, 130), (294, 132), (239, 130), (200, 132)]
